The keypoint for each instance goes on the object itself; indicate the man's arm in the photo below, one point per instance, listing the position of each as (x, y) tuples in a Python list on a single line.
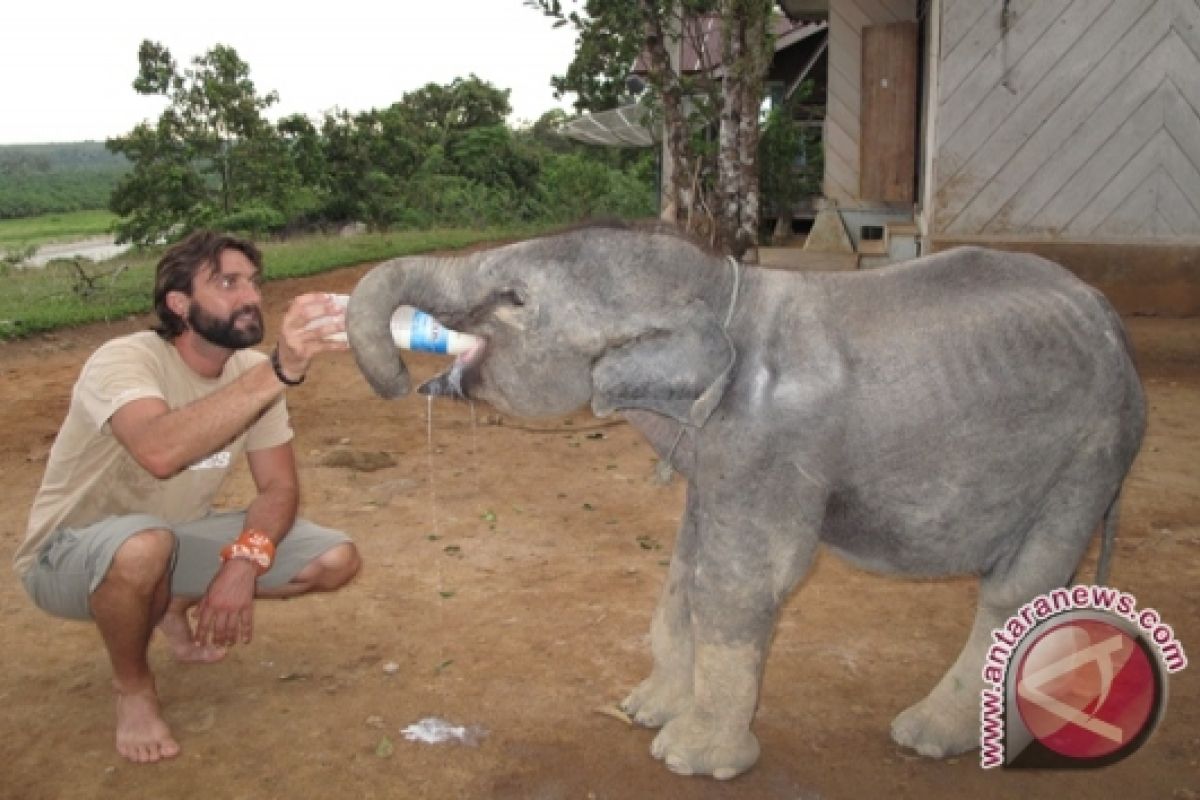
[(226, 613), (274, 509), (164, 442)]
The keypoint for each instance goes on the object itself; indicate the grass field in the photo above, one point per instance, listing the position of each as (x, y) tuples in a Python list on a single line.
[(75, 292), (18, 234)]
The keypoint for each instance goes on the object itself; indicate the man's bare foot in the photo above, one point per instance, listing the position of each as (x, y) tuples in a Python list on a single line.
[(178, 631), (142, 735)]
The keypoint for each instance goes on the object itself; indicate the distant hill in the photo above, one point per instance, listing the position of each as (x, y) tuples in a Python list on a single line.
[(46, 178)]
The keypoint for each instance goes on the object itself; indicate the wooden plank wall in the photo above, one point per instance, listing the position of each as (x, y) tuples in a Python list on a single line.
[(843, 113), (1081, 124)]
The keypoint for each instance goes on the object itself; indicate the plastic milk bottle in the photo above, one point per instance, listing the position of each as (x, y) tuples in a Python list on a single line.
[(413, 329)]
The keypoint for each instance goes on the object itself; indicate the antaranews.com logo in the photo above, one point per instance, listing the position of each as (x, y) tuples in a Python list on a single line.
[(1076, 678)]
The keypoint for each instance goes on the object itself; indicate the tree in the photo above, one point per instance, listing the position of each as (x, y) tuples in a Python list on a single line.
[(790, 161), (386, 166), (365, 158), (717, 182), (440, 113), (748, 49), (162, 191), (212, 134), (611, 35)]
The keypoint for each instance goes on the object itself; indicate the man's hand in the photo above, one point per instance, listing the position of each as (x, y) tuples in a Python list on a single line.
[(226, 612), (298, 343)]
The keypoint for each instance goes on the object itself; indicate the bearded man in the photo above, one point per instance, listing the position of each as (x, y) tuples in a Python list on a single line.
[(122, 531)]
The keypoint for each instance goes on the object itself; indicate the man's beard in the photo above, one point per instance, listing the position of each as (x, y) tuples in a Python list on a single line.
[(225, 332)]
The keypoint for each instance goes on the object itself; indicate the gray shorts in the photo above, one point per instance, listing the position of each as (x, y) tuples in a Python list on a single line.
[(74, 561)]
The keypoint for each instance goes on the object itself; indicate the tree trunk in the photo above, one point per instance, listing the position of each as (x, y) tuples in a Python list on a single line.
[(747, 55), (662, 40), (757, 59), (728, 205)]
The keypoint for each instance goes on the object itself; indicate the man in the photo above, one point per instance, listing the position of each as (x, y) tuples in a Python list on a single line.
[(122, 531)]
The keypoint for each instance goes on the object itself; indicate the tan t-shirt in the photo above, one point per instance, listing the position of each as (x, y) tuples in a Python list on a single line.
[(91, 476)]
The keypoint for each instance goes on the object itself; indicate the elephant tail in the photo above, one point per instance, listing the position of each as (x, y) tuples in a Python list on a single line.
[(1108, 538)]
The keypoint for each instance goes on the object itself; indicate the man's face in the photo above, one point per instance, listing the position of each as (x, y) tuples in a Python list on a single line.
[(225, 307)]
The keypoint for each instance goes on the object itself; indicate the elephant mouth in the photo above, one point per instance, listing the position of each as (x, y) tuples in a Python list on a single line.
[(463, 375)]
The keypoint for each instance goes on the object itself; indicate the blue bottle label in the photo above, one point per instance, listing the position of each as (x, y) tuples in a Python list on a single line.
[(427, 334)]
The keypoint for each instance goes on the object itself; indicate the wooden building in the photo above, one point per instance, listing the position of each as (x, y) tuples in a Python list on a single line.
[(1065, 127)]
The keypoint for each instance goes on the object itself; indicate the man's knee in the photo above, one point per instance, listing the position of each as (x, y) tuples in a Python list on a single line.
[(336, 567), (144, 559)]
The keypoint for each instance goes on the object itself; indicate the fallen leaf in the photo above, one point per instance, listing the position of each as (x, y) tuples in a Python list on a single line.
[(615, 713), (385, 748)]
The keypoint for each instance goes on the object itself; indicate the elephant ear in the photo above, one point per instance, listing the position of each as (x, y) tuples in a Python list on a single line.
[(678, 367)]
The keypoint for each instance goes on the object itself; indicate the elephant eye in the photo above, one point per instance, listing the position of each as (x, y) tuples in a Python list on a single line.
[(512, 297)]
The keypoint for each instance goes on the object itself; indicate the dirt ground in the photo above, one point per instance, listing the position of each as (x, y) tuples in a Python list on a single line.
[(511, 572)]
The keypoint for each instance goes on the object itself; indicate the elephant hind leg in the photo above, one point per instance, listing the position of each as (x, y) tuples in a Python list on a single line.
[(946, 722)]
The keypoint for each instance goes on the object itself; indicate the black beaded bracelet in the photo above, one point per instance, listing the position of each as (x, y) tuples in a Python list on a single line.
[(279, 370)]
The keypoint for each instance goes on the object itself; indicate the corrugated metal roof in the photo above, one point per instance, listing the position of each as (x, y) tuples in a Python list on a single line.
[(627, 126), (618, 127)]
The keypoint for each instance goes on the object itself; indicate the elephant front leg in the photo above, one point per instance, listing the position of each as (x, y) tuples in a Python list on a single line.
[(713, 736), (667, 693), (737, 587)]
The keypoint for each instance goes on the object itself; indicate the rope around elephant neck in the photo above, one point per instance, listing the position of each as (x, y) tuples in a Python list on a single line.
[(665, 467), (733, 295)]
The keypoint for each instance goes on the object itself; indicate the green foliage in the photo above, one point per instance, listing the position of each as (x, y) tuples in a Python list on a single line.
[(489, 155), (164, 191), (436, 113), (577, 187), (252, 219), (611, 35), (790, 157), (49, 178)]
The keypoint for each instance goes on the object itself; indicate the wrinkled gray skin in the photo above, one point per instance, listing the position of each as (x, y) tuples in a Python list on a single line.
[(968, 412)]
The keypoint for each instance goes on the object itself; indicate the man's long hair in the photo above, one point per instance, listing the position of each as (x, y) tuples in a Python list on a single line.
[(178, 267)]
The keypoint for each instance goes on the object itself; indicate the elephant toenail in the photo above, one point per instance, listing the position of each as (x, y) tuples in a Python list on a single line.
[(676, 765)]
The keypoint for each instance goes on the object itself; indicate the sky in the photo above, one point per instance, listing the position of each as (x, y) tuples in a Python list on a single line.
[(67, 66)]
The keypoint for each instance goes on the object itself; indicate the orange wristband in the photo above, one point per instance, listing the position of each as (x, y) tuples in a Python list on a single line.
[(253, 545)]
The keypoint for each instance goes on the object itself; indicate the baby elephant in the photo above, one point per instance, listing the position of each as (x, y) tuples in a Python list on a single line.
[(966, 412)]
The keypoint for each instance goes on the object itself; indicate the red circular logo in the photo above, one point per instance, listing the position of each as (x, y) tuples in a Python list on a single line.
[(1086, 688)]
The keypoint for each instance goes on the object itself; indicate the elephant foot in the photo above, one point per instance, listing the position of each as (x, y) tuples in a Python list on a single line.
[(657, 701), (936, 728), (692, 744)]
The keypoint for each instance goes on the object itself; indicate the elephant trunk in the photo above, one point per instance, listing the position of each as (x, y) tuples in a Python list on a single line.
[(432, 285)]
